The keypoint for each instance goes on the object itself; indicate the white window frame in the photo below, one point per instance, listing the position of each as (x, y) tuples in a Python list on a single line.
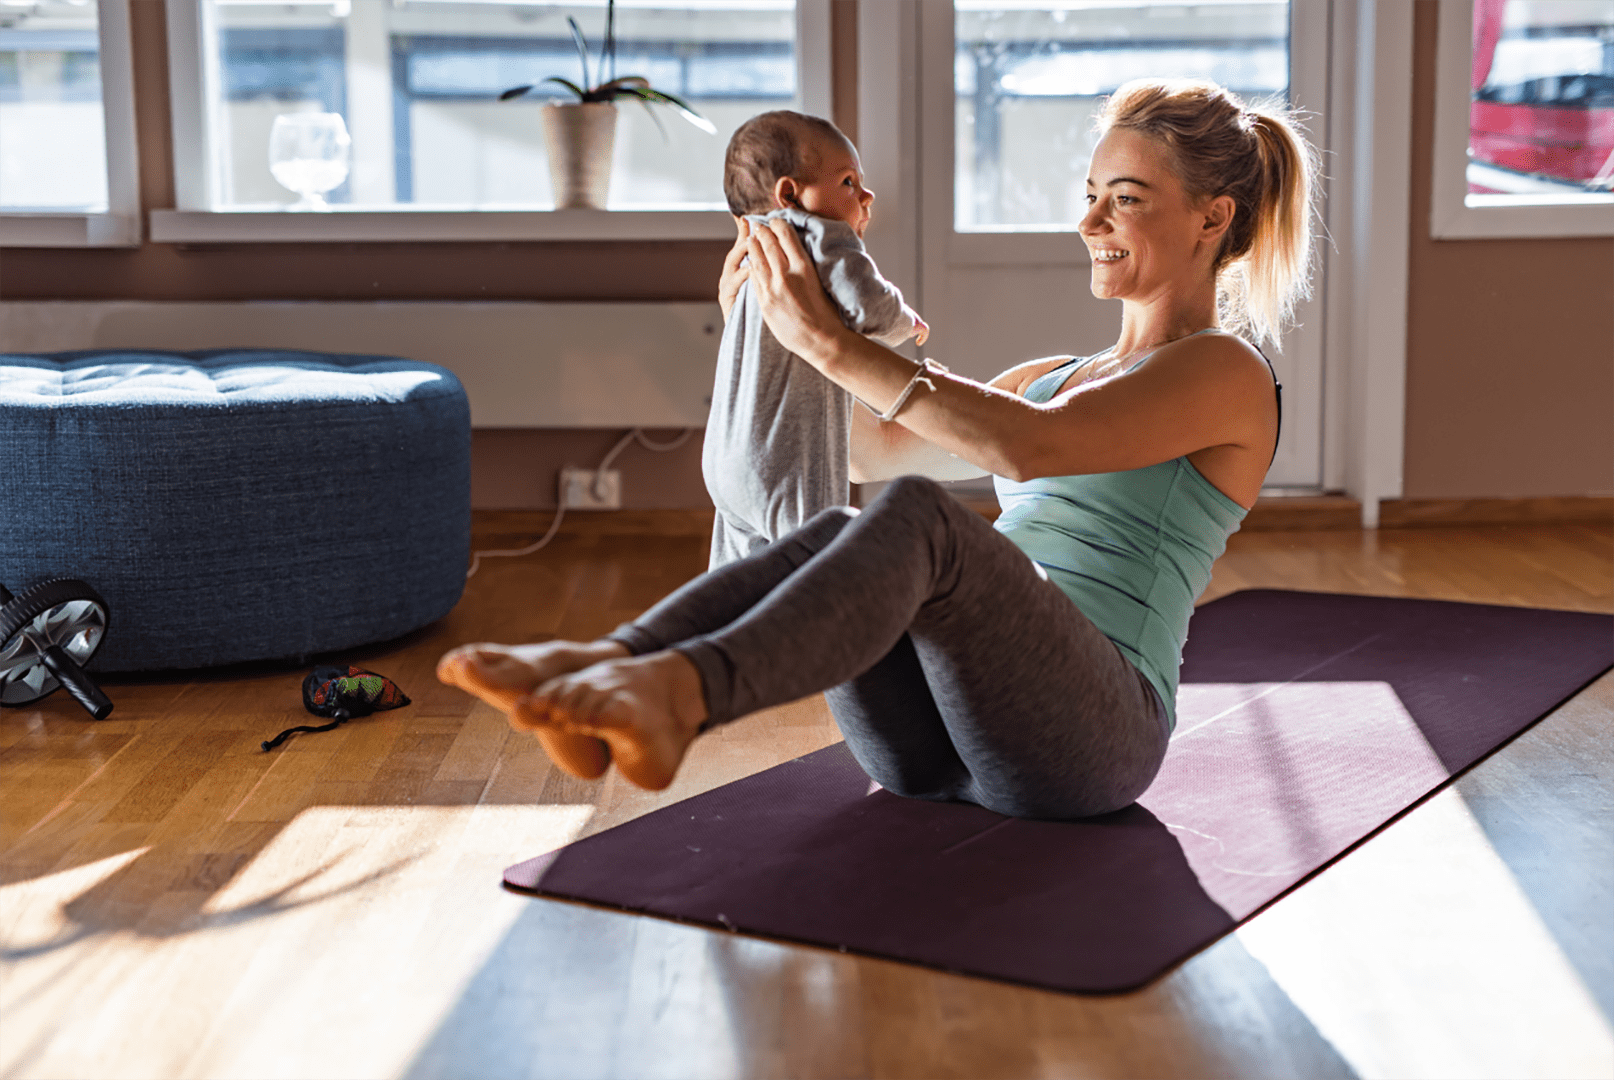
[(1492, 216), (119, 224), (195, 220), (1369, 220)]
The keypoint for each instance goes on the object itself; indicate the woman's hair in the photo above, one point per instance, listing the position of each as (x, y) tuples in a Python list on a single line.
[(764, 148), (1258, 157)]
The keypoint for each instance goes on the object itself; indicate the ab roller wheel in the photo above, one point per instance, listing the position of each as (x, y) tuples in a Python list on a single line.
[(47, 633)]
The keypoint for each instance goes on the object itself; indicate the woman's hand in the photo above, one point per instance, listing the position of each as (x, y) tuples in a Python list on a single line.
[(793, 301), (735, 271)]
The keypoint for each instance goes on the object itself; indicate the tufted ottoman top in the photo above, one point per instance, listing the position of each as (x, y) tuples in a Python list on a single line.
[(237, 505), (223, 378)]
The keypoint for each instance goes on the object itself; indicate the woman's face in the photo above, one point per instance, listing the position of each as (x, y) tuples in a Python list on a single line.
[(1145, 236)]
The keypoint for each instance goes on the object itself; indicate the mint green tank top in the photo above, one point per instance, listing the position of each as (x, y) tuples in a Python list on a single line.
[(1133, 550)]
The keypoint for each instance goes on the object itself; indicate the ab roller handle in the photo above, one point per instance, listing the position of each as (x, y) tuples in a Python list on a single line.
[(78, 683), (47, 634)]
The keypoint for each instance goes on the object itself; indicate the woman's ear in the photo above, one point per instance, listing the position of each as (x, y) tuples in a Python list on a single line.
[(786, 193), (1218, 219)]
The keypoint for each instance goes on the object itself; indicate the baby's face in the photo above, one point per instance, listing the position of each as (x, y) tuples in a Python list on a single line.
[(831, 185)]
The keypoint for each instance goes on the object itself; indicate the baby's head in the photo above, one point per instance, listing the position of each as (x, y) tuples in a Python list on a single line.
[(786, 159)]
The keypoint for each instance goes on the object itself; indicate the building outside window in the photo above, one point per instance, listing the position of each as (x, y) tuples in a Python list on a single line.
[(1542, 118), (1524, 119)]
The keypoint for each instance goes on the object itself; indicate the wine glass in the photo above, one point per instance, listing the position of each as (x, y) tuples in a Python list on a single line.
[(308, 154)]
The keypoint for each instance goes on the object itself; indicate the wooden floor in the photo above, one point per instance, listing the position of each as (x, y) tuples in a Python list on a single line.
[(176, 902)]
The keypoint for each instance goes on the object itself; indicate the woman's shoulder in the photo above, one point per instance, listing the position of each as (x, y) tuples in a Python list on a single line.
[(1224, 344), (1214, 353)]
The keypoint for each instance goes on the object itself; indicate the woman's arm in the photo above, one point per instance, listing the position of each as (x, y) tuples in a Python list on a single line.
[(886, 451), (883, 451), (1210, 391)]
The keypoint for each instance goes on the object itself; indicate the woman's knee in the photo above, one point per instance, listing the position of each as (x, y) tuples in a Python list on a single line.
[(911, 489), (915, 499)]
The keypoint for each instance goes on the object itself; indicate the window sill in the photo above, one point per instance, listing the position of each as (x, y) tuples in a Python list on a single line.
[(68, 230), (1500, 217), (341, 225)]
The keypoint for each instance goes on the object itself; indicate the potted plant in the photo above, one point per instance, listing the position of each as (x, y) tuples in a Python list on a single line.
[(580, 135)]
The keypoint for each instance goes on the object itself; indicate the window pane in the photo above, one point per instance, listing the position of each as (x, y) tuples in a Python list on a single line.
[(52, 133), (1029, 78), (1542, 119), (417, 83)]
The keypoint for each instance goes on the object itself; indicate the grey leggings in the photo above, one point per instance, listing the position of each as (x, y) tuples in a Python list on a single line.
[(955, 670)]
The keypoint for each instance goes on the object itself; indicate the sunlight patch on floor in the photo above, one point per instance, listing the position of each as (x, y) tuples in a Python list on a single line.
[(335, 952), (33, 912), (1367, 951), (402, 907), (1264, 782)]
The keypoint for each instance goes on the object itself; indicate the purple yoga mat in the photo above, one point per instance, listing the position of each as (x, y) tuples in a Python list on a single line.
[(1305, 722)]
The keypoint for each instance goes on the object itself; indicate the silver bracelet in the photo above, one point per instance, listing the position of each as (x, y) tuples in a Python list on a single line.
[(926, 366)]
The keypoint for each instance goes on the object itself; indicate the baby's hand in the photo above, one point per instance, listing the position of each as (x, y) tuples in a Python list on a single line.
[(921, 330)]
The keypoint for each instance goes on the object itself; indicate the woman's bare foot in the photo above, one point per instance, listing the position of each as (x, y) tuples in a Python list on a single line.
[(502, 675), (647, 709)]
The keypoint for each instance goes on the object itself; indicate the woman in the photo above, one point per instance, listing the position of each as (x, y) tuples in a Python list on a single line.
[(1030, 667)]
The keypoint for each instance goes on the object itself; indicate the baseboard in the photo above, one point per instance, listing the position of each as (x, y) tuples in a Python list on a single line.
[(1538, 510), (1300, 513)]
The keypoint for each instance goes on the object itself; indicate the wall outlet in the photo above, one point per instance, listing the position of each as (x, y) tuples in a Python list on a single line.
[(579, 490)]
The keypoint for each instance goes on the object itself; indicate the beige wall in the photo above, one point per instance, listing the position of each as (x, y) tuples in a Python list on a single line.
[(1510, 365), (1510, 347)]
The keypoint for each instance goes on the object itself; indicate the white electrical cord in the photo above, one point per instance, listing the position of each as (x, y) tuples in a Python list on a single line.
[(635, 435)]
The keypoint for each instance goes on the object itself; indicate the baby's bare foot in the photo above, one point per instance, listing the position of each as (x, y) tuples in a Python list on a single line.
[(647, 709), (502, 675)]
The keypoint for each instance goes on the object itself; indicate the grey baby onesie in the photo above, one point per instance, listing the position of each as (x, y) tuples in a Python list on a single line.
[(779, 434)]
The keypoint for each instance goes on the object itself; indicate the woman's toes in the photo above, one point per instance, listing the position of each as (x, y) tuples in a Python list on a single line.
[(485, 672), (634, 706)]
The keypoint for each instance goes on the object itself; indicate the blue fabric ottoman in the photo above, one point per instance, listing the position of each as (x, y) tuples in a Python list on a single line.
[(237, 505)]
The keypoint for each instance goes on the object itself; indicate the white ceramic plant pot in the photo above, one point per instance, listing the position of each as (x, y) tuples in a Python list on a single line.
[(580, 137)]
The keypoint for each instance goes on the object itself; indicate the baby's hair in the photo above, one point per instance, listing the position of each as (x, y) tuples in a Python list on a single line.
[(766, 147), (1256, 155)]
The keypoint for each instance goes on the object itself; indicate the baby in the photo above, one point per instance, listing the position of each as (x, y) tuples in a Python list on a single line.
[(779, 436)]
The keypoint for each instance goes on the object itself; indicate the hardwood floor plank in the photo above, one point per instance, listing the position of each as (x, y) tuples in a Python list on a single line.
[(483, 731), (287, 782)]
